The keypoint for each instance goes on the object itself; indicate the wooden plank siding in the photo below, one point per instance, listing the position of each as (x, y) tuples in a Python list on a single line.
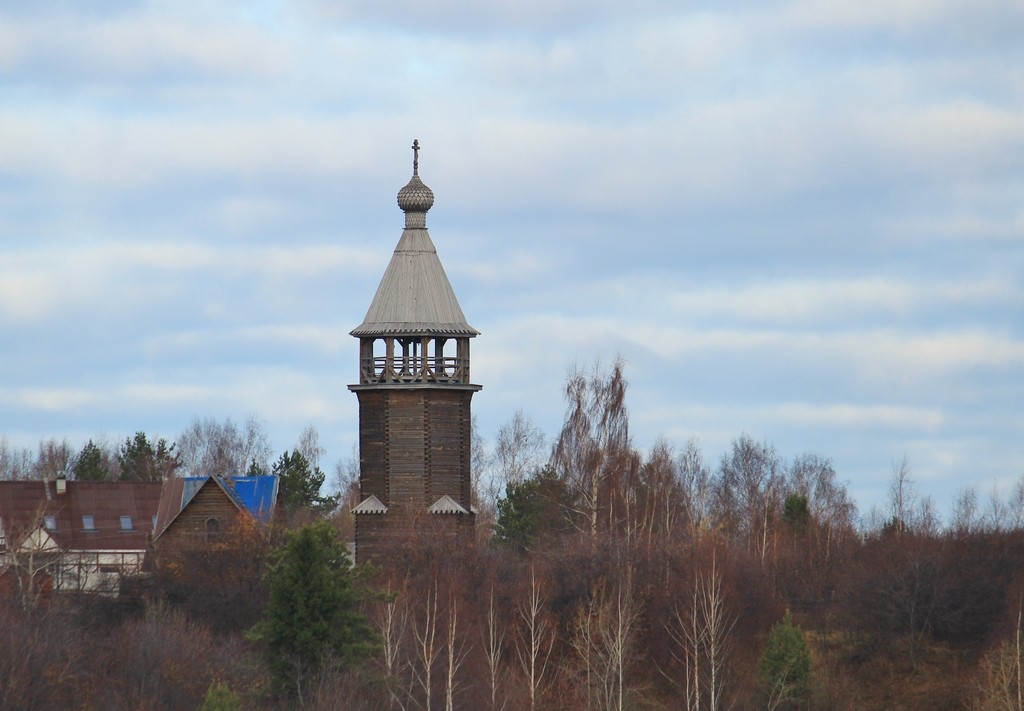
[(414, 447), (448, 450), (407, 473), (373, 436), (190, 525)]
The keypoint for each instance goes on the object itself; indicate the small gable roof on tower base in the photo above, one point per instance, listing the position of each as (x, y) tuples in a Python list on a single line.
[(370, 505), (446, 505)]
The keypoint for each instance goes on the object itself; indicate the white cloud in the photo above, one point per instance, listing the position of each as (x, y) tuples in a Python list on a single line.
[(49, 400), (811, 300), (902, 16), (839, 415), (100, 150), (879, 357), (516, 267), (153, 394), (58, 281), (796, 301), (848, 415), (134, 46), (27, 297), (971, 227), (320, 339)]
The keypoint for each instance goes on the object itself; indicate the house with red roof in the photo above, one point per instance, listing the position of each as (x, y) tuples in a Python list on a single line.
[(73, 536)]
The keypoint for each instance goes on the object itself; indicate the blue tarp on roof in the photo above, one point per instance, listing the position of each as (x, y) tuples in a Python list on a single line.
[(256, 494)]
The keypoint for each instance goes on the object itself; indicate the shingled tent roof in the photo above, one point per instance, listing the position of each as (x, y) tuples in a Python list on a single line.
[(414, 296)]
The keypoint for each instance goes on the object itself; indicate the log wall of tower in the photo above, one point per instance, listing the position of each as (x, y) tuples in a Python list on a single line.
[(414, 447)]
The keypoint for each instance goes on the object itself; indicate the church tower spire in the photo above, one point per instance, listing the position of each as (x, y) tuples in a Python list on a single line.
[(414, 393)]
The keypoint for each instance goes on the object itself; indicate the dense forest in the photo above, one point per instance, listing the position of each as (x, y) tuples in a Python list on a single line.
[(599, 578)]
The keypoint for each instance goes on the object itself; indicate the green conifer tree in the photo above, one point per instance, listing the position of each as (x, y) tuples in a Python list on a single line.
[(90, 465), (219, 697), (532, 511), (796, 514), (784, 672), (313, 615), (300, 484)]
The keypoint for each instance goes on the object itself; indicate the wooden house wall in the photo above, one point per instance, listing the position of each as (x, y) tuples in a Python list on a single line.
[(209, 502)]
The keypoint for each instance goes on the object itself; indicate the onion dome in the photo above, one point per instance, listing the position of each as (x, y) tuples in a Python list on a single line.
[(415, 196)]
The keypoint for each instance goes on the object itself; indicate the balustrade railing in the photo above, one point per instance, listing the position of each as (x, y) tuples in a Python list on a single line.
[(414, 369)]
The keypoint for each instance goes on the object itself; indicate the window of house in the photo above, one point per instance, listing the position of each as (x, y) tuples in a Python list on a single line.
[(1, 529), (126, 523), (153, 523), (50, 522), (212, 528), (88, 523)]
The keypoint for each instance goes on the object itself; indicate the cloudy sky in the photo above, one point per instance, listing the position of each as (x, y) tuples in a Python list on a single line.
[(800, 220)]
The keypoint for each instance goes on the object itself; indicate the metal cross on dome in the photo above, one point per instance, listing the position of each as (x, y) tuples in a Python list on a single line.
[(416, 156)]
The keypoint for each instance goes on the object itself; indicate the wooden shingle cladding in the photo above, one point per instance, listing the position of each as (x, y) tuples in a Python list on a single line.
[(414, 296)]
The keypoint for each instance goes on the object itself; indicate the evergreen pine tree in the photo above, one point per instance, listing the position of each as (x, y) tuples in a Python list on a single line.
[(313, 616), (219, 697), (784, 672), (89, 465), (300, 484)]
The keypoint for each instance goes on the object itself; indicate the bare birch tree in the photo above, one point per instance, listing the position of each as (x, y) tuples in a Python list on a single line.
[(15, 463), (702, 633), (749, 491), (536, 641), (594, 438), (493, 643), (33, 559), (662, 502), (604, 639), (901, 496), (427, 650), (1002, 672), (518, 452), (209, 447), (55, 459), (696, 489), (455, 654), (391, 622)]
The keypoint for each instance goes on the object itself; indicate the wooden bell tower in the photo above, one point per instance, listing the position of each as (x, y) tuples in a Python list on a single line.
[(414, 394)]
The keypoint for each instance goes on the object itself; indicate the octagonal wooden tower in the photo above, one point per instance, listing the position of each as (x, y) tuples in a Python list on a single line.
[(414, 394)]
